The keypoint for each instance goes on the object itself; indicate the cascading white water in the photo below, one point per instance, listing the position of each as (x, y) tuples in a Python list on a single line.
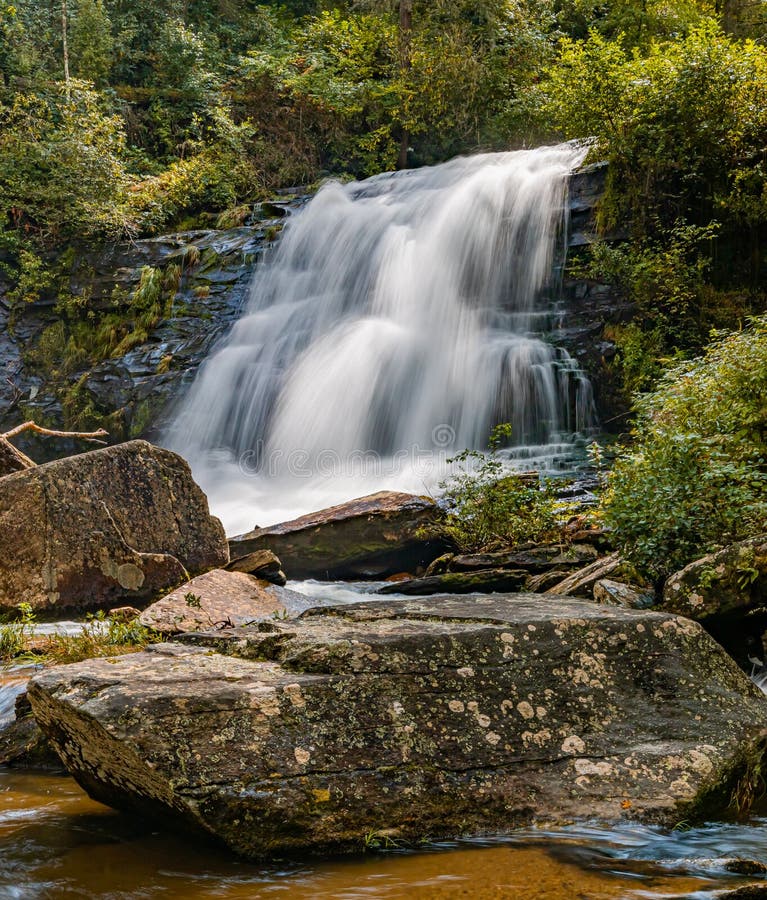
[(396, 322)]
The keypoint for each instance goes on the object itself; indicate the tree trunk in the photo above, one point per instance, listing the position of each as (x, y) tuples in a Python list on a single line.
[(405, 33), (65, 45)]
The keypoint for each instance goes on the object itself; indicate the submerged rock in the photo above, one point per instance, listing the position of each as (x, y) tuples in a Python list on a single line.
[(372, 537), (220, 599), (411, 718), (119, 524), (747, 892)]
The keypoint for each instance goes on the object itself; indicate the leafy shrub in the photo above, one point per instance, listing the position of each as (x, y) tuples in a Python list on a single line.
[(61, 163), (696, 478), (99, 636), (489, 508)]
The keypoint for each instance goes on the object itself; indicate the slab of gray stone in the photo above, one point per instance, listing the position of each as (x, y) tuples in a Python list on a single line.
[(432, 717)]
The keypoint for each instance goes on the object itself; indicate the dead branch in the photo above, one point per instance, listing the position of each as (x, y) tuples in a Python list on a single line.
[(13, 460), (38, 429), (16, 394)]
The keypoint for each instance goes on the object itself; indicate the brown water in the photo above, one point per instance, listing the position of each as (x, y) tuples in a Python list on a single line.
[(56, 843)]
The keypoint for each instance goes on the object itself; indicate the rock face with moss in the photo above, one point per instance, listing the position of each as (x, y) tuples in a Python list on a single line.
[(732, 580), (375, 536), (410, 718), (127, 387), (117, 525)]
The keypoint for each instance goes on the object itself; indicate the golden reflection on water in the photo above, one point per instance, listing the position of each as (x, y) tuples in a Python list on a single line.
[(57, 843)]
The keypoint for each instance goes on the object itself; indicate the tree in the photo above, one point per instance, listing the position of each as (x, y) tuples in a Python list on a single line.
[(92, 42), (62, 169), (65, 43)]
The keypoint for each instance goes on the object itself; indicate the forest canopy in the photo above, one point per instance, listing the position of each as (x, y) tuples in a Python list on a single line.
[(129, 116), (122, 118)]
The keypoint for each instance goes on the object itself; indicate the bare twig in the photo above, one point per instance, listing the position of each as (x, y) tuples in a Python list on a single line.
[(13, 460)]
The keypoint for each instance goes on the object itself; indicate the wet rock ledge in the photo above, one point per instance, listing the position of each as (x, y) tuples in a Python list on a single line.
[(410, 718)]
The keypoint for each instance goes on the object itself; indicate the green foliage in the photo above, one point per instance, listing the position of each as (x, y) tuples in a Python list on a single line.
[(91, 43), (15, 635), (491, 508), (682, 125), (99, 636), (194, 601), (664, 277), (32, 278), (696, 477), (61, 167)]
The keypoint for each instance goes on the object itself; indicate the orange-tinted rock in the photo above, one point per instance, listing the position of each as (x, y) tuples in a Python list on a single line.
[(115, 526), (220, 599)]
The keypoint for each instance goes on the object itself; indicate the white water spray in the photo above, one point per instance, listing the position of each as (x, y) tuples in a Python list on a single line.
[(395, 323)]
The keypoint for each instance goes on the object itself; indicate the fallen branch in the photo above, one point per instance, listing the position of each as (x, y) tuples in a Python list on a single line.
[(16, 394), (38, 429), (13, 460)]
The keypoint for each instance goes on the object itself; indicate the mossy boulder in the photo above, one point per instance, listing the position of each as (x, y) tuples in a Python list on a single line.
[(730, 581), (414, 718), (371, 537), (114, 526)]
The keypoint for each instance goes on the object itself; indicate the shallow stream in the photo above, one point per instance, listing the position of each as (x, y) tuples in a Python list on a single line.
[(57, 843)]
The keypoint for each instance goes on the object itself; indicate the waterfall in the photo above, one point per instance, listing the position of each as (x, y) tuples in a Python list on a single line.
[(12, 683), (397, 321)]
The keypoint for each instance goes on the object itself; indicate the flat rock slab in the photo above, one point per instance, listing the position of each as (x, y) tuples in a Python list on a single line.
[(219, 599), (116, 525), (436, 717), (535, 560), (372, 537)]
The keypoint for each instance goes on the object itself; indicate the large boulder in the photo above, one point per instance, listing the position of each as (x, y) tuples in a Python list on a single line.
[(372, 537), (485, 581), (729, 581), (220, 598), (116, 525), (410, 718)]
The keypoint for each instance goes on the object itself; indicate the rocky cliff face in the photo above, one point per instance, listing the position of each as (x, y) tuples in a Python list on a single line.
[(133, 393), (589, 308)]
